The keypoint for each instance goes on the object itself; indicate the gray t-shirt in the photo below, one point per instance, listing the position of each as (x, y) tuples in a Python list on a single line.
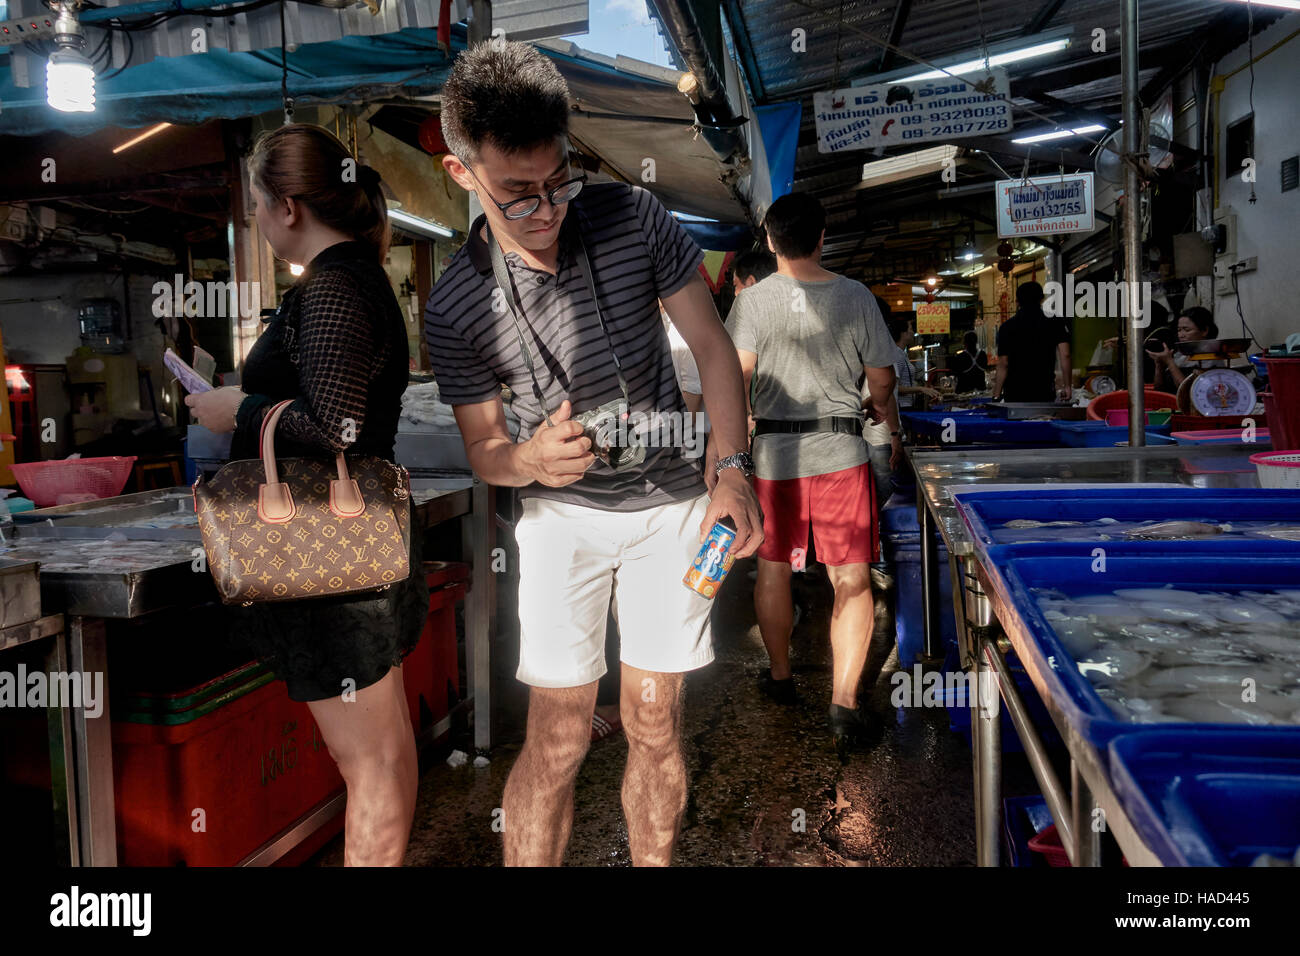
[(813, 340)]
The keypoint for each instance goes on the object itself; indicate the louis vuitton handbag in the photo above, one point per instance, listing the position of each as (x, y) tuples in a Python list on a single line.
[(292, 530)]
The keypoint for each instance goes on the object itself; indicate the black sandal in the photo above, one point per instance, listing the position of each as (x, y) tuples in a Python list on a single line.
[(852, 728)]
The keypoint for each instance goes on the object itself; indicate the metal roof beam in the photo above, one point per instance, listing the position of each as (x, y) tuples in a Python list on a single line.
[(1043, 17), (745, 47), (1072, 115), (1096, 67), (885, 61)]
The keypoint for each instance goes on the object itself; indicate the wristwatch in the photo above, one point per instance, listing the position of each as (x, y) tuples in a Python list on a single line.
[(739, 460)]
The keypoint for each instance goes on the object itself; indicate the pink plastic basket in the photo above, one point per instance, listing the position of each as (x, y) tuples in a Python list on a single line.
[(66, 481)]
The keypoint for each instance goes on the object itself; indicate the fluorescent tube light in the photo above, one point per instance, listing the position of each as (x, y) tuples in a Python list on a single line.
[(1063, 133), (908, 166), (142, 137), (422, 227), (1284, 4), (996, 60)]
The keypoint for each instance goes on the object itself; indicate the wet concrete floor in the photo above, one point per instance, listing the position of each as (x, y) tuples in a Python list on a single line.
[(766, 788)]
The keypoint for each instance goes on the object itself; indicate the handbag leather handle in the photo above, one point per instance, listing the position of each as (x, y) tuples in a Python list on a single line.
[(274, 498)]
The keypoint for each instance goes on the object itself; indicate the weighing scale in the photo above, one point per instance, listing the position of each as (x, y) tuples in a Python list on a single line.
[(1213, 388)]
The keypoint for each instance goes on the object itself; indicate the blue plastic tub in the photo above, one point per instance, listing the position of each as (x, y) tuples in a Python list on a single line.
[(1098, 434), (1069, 568), (974, 426), (904, 550), (898, 517), (986, 514), (1203, 798)]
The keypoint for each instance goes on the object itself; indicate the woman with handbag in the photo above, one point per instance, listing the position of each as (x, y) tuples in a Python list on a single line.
[(326, 377)]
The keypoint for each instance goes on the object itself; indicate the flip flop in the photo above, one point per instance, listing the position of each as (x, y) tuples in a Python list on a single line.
[(602, 728)]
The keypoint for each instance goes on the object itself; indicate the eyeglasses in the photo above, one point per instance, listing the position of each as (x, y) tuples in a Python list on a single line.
[(525, 206)]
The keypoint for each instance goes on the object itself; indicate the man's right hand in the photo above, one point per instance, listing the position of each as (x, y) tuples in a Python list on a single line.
[(556, 455)]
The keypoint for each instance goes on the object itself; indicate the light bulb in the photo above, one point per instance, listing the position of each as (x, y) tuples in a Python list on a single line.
[(70, 82)]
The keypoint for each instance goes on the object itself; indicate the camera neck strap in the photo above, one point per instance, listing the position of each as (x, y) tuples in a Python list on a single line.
[(514, 306)]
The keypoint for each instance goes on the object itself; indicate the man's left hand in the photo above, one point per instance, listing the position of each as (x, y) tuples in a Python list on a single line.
[(732, 497)]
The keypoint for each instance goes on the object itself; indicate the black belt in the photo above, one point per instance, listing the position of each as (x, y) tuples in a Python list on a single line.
[(844, 426)]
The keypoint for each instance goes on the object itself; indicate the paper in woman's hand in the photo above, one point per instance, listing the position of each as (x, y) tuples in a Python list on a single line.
[(190, 380)]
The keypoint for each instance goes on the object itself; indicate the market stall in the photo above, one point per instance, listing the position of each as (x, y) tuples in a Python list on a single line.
[(1064, 502), (134, 557)]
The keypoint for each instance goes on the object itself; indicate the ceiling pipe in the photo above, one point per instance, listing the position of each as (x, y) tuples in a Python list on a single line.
[(702, 83)]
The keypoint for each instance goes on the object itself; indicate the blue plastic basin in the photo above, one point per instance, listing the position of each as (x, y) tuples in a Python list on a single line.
[(1204, 798)]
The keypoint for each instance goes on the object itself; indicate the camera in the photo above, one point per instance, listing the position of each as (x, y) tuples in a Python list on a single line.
[(611, 441)]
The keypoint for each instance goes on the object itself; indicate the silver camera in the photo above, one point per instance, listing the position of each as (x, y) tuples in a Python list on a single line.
[(611, 441)]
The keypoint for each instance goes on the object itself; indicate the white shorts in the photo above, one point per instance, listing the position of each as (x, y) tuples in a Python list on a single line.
[(574, 559)]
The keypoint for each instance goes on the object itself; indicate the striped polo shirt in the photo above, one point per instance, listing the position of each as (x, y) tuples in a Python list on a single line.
[(638, 253)]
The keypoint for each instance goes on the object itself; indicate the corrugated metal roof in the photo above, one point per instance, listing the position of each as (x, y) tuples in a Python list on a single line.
[(841, 43), (934, 30)]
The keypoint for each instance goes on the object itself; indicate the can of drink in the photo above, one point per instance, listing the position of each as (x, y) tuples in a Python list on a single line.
[(711, 564)]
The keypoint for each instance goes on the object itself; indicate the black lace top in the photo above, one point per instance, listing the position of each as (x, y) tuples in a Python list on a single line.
[(337, 347)]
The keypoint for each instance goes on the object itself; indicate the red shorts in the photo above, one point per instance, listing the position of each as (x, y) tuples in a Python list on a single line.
[(840, 507)]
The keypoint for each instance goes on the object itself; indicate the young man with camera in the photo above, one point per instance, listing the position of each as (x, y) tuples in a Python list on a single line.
[(807, 338), (555, 295)]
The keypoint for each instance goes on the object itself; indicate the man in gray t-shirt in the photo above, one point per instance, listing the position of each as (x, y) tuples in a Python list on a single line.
[(812, 340), (806, 338)]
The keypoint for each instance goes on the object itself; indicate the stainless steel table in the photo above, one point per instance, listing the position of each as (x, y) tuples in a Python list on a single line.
[(156, 571), (983, 614)]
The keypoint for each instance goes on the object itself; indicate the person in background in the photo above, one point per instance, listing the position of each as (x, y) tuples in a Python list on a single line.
[(1029, 345), (337, 348), (750, 267), (970, 364), (688, 374), (806, 337), (881, 450), (903, 333), (1160, 332), (1194, 325)]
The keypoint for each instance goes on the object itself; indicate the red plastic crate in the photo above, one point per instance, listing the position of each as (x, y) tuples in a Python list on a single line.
[(256, 762), (431, 672), (254, 766)]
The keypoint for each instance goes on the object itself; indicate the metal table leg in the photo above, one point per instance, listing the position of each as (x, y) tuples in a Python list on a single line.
[(63, 776), (933, 633), (1087, 837), (479, 535), (93, 748), (986, 727)]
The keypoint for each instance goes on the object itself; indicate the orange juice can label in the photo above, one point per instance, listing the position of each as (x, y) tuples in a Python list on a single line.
[(712, 562)]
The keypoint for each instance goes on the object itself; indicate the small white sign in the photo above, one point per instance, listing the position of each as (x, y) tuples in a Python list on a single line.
[(899, 114), (1045, 205)]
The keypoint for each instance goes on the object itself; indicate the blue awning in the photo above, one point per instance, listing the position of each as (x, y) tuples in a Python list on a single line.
[(223, 85), (622, 116)]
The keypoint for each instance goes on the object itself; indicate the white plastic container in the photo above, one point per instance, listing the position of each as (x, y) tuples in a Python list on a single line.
[(1277, 469)]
